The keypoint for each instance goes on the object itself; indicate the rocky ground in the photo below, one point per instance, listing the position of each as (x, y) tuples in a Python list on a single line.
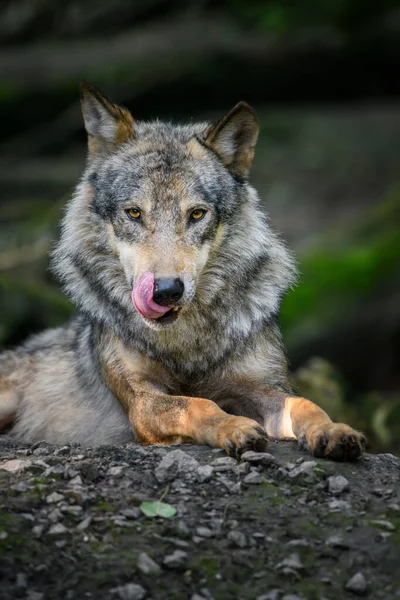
[(274, 526)]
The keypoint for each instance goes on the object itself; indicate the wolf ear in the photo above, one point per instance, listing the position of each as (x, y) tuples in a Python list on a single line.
[(233, 139), (107, 124)]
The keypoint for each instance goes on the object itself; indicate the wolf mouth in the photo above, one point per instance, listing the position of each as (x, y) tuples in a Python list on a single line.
[(166, 319)]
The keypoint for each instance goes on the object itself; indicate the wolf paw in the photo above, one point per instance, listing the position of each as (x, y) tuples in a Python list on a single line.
[(239, 434), (336, 441)]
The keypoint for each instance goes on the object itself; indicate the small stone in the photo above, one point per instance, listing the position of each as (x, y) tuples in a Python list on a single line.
[(37, 530), (21, 486), (115, 471), (337, 541), (16, 465), (357, 584), (130, 591), (291, 562), (253, 478), (238, 538), (338, 505), (84, 524), (54, 516), (147, 565), (54, 497), (204, 532), (197, 597), (131, 513), (259, 458), (387, 525), (57, 529), (337, 484), (304, 471), (272, 595), (76, 481), (34, 595), (176, 560), (224, 461), (21, 581), (176, 463), (243, 468), (204, 473)]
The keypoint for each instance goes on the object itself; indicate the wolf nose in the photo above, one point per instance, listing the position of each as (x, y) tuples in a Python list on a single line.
[(167, 291)]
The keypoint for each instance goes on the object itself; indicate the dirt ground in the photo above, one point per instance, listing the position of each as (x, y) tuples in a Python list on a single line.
[(278, 525)]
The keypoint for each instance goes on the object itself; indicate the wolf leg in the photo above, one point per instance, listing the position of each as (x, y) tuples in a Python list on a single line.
[(162, 419), (8, 408), (315, 430)]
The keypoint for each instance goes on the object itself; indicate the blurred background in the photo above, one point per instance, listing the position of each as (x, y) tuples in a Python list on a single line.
[(324, 78)]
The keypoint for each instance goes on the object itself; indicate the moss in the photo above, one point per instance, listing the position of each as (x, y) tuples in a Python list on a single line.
[(103, 506)]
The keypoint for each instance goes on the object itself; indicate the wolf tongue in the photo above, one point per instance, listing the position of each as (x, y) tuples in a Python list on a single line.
[(142, 298)]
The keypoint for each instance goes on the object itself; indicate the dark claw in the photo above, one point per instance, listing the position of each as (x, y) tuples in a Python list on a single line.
[(261, 431)]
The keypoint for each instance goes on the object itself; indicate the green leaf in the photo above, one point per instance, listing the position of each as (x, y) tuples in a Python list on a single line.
[(157, 509)]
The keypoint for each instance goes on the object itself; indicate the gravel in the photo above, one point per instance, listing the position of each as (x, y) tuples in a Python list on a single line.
[(276, 525)]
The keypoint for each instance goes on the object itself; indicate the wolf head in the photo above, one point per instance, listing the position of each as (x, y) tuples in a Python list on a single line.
[(164, 222)]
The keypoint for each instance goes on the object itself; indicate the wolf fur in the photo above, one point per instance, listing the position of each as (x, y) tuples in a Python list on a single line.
[(218, 374)]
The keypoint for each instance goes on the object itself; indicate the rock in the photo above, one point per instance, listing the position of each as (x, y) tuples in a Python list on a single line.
[(147, 565), (253, 478), (337, 541), (337, 484), (34, 595), (84, 524), (131, 513), (204, 532), (291, 562), (238, 538), (357, 584), (338, 505), (176, 560), (115, 471), (204, 473), (387, 525), (224, 461), (259, 458), (21, 581), (176, 463), (57, 529), (272, 595), (16, 465), (130, 591), (54, 497), (305, 470)]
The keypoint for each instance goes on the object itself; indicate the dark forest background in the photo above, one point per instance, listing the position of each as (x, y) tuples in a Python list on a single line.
[(324, 78)]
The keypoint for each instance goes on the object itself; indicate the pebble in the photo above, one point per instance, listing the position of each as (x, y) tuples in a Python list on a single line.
[(204, 473), (387, 525), (57, 529), (130, 591), (291, 562), (176, 463), (272, 595), (253, 478), (357, 584), (259, 458), (204, 532), (115, 471), (176, 560), (337, 541), (84, 524), (337, 484), (54, 497), (147, 565), (238, 538), (16, 465), (34, 595), (304, 470)]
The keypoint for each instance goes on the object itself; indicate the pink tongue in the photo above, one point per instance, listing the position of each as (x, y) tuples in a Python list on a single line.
[(142, 298)]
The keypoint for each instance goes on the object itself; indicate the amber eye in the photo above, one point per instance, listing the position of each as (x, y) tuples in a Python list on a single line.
[(197, 214), (133, 213)]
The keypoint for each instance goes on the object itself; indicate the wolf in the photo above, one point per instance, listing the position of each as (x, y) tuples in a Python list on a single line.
[(177, 276)]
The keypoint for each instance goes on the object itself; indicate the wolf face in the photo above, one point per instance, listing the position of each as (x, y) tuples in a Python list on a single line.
[(163, 225)]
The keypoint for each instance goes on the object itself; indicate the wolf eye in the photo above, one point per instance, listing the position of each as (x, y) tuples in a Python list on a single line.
[(133, 213), (197, 214)]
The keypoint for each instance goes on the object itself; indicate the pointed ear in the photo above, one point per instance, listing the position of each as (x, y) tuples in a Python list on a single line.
[(234, 137), (107, 124)]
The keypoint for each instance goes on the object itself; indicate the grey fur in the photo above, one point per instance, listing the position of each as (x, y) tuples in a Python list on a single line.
[(229, 310)]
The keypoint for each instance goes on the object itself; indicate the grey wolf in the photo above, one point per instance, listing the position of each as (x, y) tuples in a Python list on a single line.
[(177, 277)]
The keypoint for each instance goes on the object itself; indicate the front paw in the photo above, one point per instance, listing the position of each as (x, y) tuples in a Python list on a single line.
[(336, 441), (239, 434)]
